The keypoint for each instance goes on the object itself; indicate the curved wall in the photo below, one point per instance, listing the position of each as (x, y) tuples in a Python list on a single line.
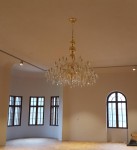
[(32, 86)]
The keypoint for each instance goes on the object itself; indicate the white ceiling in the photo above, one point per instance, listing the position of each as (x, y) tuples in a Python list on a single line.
[(38, 31)]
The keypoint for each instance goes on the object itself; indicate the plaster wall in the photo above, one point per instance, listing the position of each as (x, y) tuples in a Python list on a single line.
[(5, 74), (29, 86), (84, 109)]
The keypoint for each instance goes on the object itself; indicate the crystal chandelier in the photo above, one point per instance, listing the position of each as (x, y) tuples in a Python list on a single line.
[(70, 70)]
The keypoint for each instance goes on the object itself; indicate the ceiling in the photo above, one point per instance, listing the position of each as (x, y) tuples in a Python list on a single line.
[(38, 31)]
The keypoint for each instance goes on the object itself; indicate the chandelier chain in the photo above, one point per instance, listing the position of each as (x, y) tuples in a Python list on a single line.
[(72, 47)]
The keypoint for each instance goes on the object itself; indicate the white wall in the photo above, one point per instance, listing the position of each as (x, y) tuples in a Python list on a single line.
[(117, 135), (4, 92), (29, 86), (84, 109)]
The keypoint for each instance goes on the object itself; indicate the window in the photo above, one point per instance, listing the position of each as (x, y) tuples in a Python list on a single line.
[(36, 111), (116, 111), (14, 113), (54, 107)]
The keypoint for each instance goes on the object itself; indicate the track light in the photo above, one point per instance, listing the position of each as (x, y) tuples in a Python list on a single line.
[(21, 63), (134, 69)]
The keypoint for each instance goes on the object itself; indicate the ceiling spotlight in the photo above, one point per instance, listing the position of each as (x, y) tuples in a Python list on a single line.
[(134, 69), (21, 63)]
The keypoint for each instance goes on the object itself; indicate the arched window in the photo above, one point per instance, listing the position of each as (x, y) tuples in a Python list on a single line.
[(116, 110)]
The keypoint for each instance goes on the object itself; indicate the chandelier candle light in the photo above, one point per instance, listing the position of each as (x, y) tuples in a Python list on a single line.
[(70, 70)]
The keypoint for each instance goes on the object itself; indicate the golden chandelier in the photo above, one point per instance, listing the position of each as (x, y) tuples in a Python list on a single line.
[(70, 70)]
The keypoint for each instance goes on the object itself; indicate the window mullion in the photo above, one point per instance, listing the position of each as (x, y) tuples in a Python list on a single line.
[(55, 114), (13, 112), (20, 111), (36, 112), (112, 112), (117, 122)]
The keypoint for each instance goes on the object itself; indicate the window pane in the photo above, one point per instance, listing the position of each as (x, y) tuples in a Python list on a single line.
[(17, 116), (53, 101), (11, 101), (41, 101), (18, 101), (32, 115), (112, 114), (10, 116), (57, 101), (33, 101), (56, 115), (40, 115), (121, 97), (112, 97), (53, 116), (122, 114)]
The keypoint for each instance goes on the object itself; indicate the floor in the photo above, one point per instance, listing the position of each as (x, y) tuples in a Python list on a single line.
[(51, 144)]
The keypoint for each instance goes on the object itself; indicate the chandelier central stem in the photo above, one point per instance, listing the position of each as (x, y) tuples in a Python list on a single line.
[(72, 47)]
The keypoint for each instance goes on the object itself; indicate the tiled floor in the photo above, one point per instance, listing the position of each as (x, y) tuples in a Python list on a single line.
[(51, 144)]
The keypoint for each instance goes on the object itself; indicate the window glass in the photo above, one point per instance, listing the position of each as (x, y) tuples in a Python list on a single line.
[(112, 97)]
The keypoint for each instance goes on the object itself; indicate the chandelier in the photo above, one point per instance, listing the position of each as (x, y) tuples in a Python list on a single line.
[(70, 70)]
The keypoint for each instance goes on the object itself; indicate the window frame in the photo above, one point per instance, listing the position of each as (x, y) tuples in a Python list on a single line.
[(55, 121), (14, 106), (37, 107), (117, 102)]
